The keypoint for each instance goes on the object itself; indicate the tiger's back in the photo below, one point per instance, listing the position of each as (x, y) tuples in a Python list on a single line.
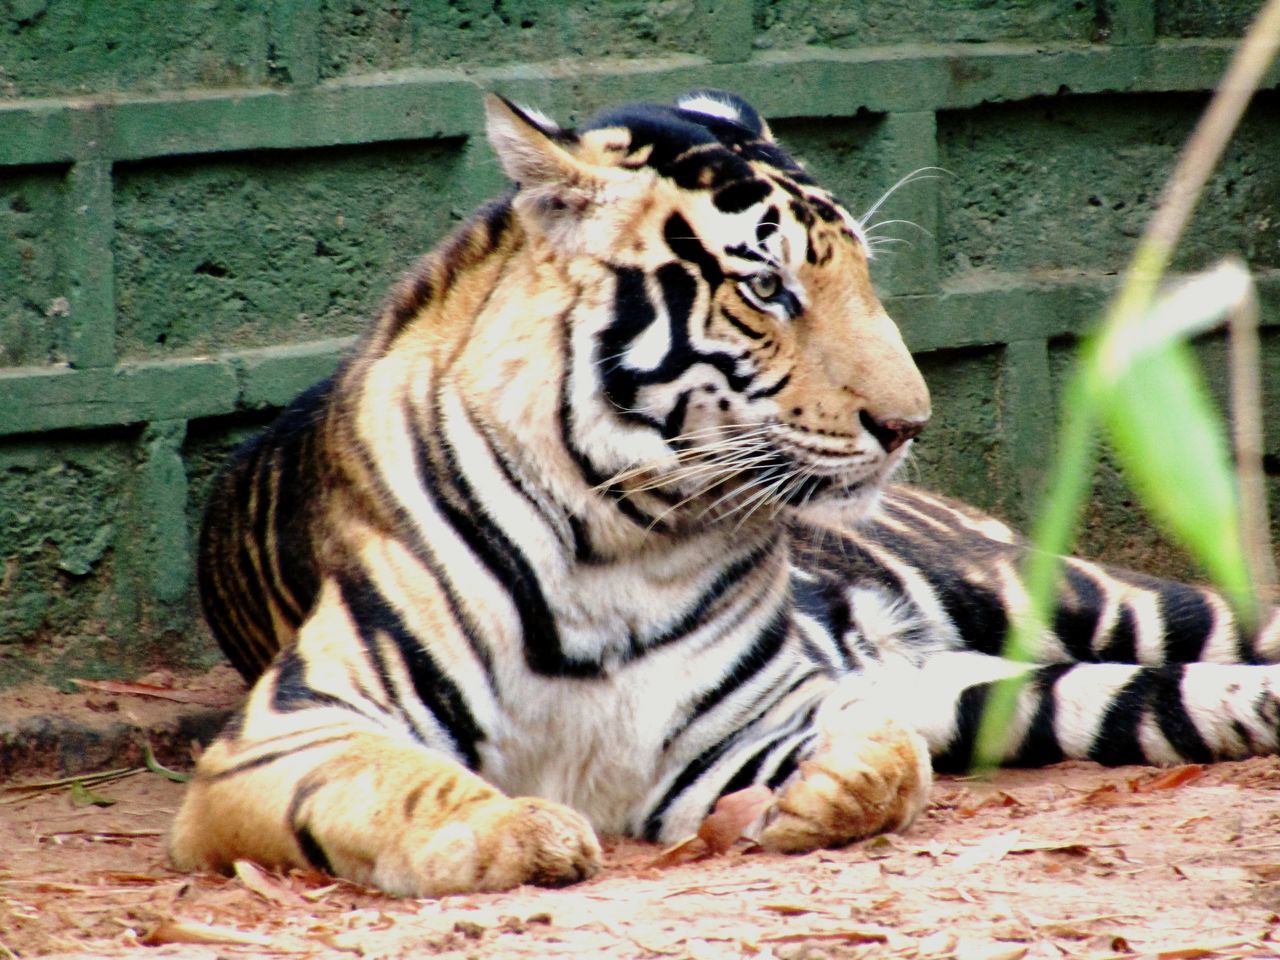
[(257, 557)]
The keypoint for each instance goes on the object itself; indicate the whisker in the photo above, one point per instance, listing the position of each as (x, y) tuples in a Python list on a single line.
[(870, 230), (920, 173)]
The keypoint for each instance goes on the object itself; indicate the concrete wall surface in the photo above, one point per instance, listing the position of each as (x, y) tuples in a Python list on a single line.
[(200, 203)]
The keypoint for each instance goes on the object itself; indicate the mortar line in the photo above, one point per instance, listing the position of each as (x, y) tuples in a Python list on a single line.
[(910, 141), (1026, 414), (87, 244)]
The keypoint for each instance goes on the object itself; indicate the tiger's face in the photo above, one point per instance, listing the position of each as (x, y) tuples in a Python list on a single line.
[(739, 362)]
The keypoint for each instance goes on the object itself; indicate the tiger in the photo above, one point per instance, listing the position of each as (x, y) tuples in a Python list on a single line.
[(596, 525)]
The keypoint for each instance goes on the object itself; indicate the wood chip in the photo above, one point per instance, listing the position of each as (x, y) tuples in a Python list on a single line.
[(185, 931), (147, 690)]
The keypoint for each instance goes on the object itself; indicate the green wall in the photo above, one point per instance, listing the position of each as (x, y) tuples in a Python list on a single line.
[(200, 202)]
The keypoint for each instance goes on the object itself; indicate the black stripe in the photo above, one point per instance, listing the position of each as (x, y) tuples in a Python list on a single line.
[(633, 313), (267, 582), (1040, 745), (250, 599), (1188, 622), (746, 774), (1122, 639), (770, 391), (263, 759), (1154, 689), (684, 243), (311, 849), (1075, 619), (957, 756), (291, 692), (743, 252), (591, 475), (977, 611), (673, 426), (738, 196), (692, 771), (425, 555), (768, 224), (752, 660), (375, 618), (542, 649), (695, 617), (742, 327), (787, 766), (552, 520)]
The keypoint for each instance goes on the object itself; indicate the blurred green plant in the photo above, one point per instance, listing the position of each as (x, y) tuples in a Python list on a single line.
[(1137, 383)]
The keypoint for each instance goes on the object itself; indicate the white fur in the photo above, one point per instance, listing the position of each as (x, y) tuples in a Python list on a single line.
[(711, 106)]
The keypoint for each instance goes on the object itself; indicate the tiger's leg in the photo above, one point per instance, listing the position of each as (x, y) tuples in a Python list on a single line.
[(841, 768), (868, 773), (1112, 713), (319, 771)]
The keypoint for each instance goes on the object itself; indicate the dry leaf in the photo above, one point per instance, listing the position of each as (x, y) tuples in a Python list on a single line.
[(690, 848), (1195, 951), (734, 812), (937, 944), (1212, 875), (184, 931), (847, 935), (968, 950), (1168, 779), (1108, 795), (146, 690), (1265, 871), (794, 909), (722, 828), (255, 880), (991, 850)]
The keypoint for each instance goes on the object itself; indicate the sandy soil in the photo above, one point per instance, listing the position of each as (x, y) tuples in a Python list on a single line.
[(1069, 861)]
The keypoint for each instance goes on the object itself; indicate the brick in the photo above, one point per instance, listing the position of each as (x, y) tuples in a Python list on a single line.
[(60, 497), (33, 293), (793, 23), (379, 35), (249, 251), (1204, 18), (958, 453), (1052, 188), (82, 46)]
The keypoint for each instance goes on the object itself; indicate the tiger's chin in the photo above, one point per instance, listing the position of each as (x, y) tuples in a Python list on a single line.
[(852, 509), (854, 503)]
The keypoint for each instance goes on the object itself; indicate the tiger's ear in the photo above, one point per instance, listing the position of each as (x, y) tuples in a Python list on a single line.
[(530, 146)]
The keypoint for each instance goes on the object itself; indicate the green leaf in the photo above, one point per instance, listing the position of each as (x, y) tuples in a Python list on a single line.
[(82, 796), (155, 766), (1168, 439)]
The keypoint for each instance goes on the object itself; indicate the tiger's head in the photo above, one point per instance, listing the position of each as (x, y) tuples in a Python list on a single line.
[(726, 355)]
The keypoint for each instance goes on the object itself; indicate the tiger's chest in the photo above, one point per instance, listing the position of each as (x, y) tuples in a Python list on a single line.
[(660, 638)]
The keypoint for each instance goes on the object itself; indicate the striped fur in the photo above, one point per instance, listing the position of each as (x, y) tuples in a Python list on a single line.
[(595, 525)]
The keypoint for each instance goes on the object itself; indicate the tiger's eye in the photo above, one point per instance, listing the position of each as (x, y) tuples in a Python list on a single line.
[(765, 285)]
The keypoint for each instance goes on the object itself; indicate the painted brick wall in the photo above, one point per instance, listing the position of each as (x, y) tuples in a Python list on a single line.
[(198, 209)]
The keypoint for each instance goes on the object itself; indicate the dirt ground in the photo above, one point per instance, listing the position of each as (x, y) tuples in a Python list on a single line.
[(1069, 861)]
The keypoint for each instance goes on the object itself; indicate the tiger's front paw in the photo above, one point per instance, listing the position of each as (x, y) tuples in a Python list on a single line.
[(859, 783), (500, 843)]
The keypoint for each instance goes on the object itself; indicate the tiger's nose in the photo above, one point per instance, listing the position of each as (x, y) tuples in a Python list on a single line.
[(891, 433)]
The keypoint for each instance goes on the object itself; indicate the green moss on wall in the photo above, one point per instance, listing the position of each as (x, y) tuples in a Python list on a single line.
[(33, 305), (959, 453), (50, 47), (357, 36), (1204, 18), (1065, 185), (250, 251), (60, 499), (783, 24)]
